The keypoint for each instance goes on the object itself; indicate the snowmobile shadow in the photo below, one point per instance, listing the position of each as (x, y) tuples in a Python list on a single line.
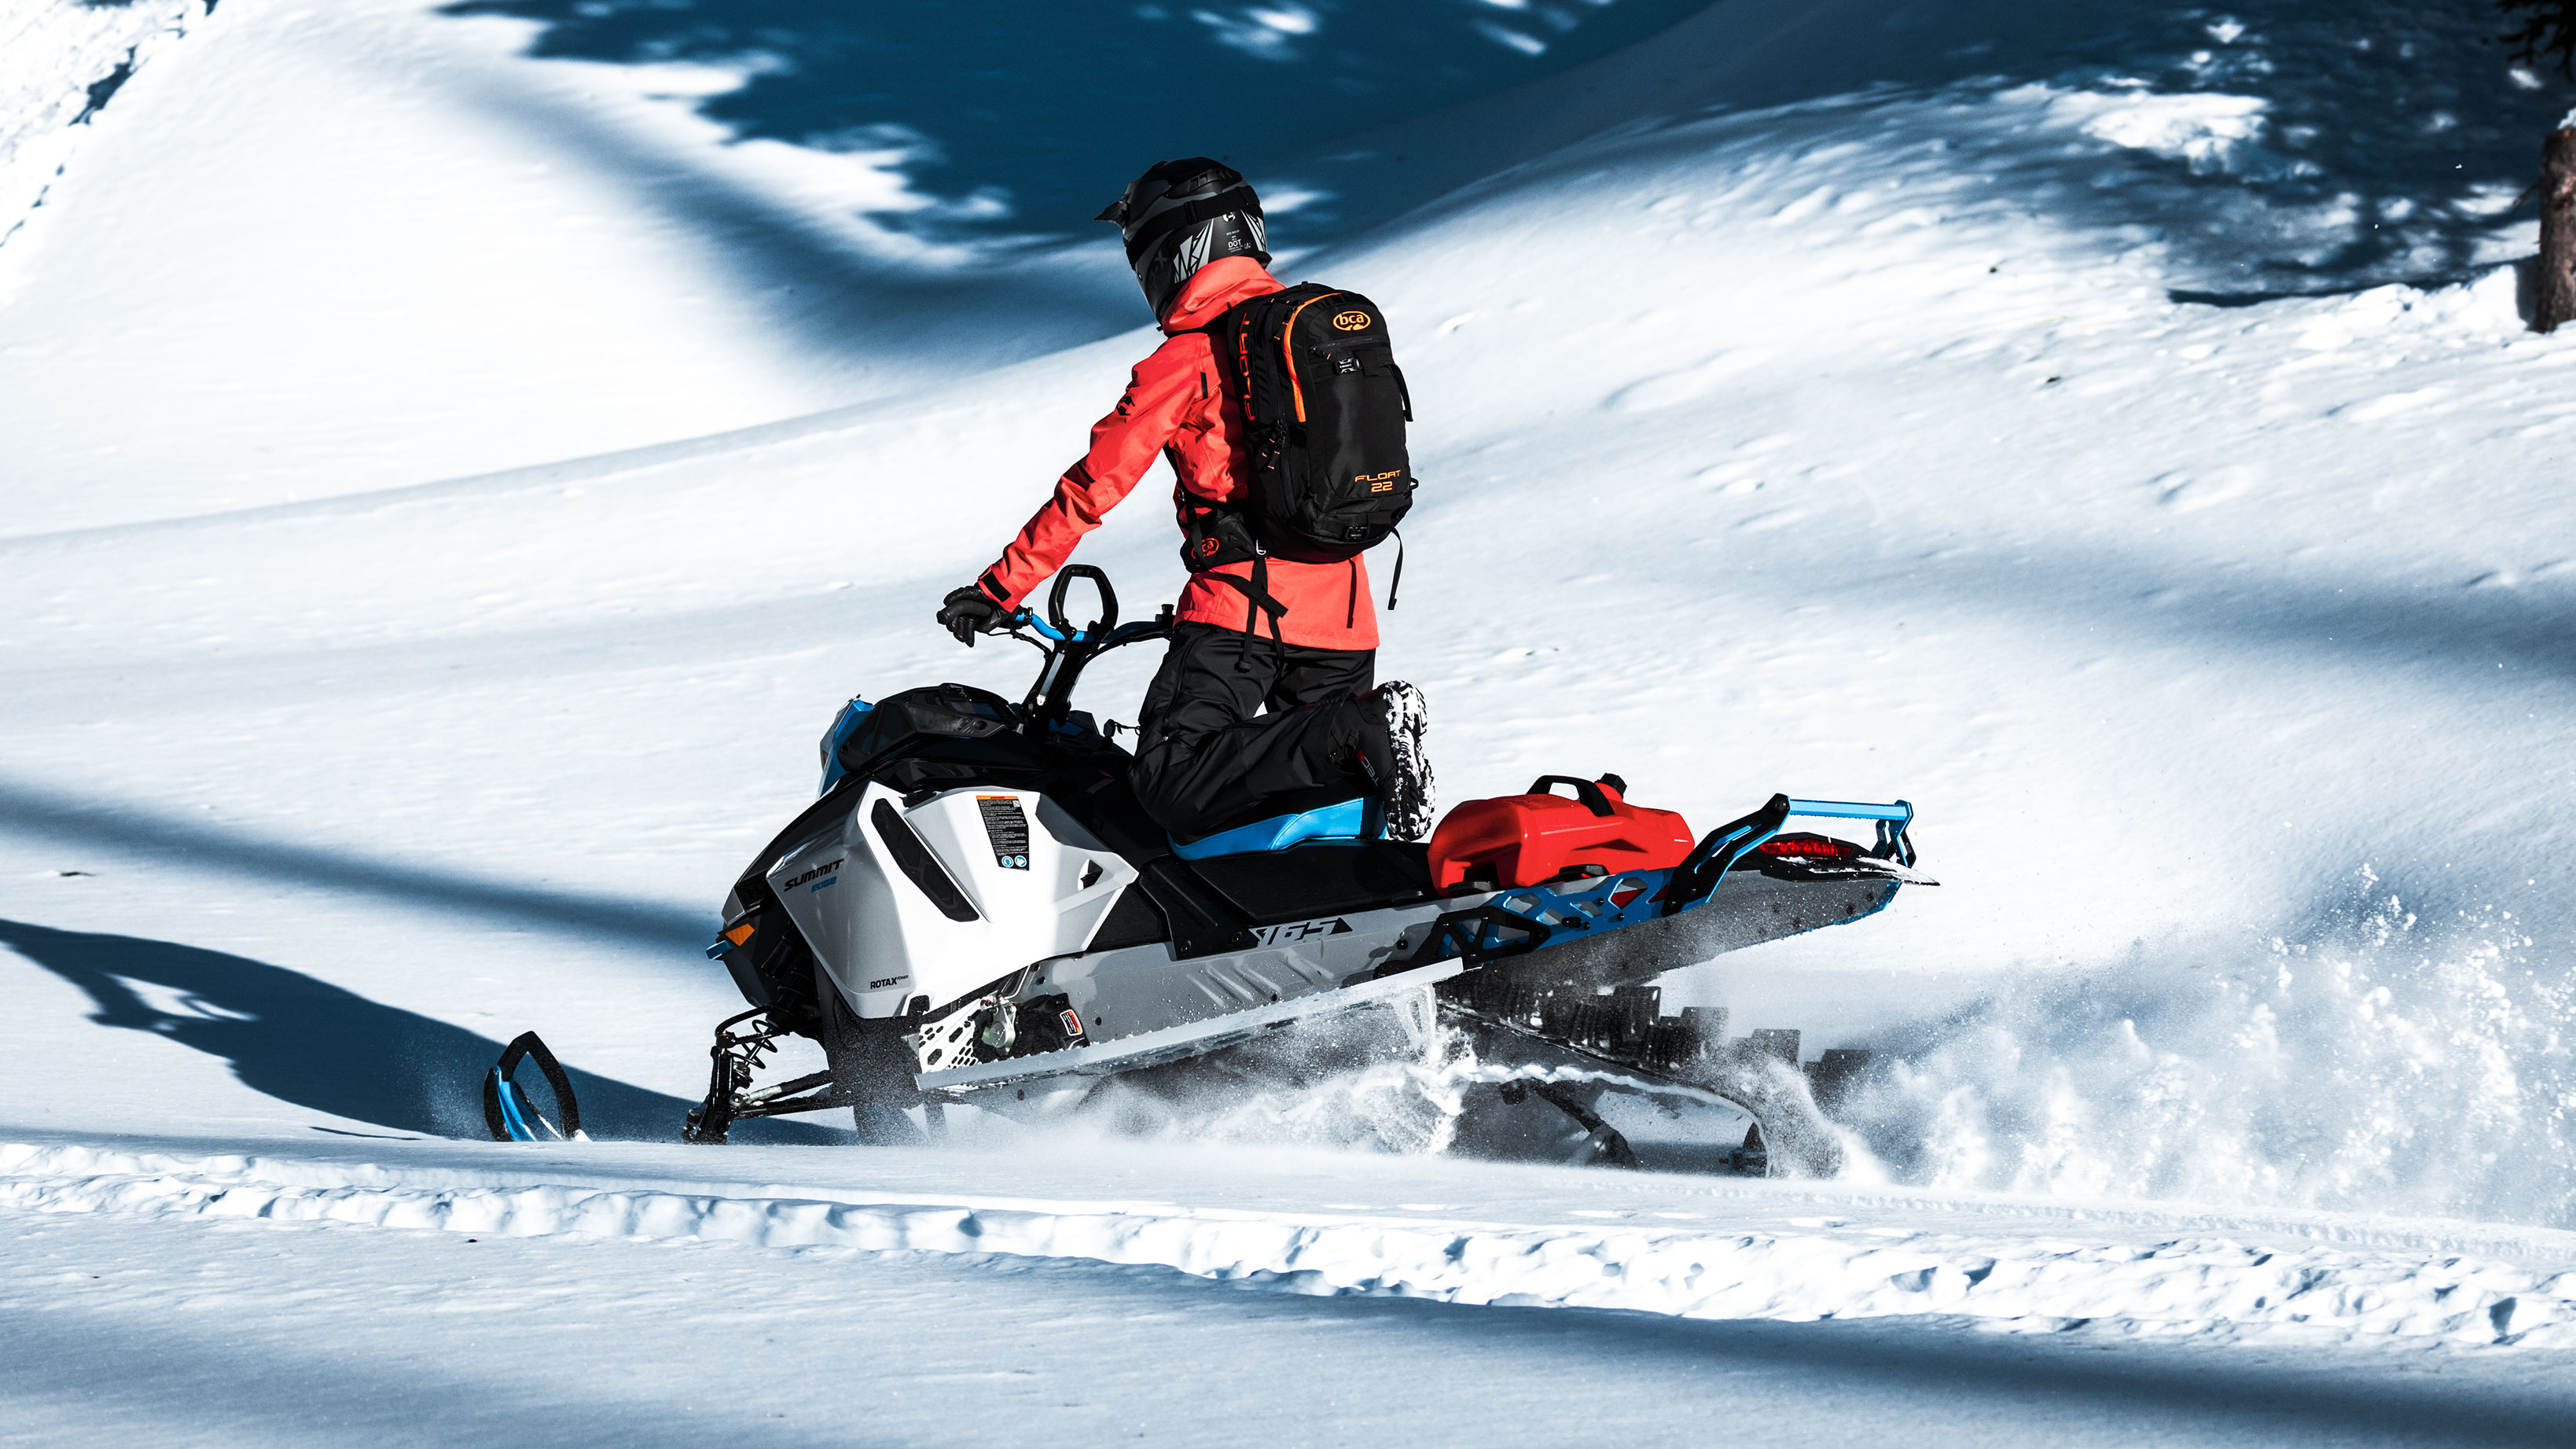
[(46, 815), (319, 1047)]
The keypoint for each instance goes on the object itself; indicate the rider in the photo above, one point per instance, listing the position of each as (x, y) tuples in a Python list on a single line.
[(1206, 758)]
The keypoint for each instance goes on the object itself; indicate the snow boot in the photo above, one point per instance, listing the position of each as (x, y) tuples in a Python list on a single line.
[(1380, 737)]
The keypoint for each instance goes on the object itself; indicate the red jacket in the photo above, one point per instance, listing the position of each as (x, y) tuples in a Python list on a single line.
[(1177, 405)]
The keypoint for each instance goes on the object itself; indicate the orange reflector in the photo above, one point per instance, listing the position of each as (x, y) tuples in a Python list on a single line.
[(738, 934)]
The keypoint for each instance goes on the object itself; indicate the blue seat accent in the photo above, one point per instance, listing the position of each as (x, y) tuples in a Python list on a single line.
[(1343, 821)]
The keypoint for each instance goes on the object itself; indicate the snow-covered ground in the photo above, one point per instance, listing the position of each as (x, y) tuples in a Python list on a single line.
[(449, 489)]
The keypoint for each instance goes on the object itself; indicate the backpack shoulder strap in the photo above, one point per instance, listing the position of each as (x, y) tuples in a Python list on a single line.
[(1247, 339)]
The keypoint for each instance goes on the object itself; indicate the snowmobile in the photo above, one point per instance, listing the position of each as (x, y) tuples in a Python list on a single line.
[(976, 910)]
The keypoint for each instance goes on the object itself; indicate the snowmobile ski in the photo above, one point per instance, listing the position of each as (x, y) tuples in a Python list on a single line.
[(509, 1110)]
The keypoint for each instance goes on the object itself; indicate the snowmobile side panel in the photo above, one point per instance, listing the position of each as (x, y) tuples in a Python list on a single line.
[(1146, 989), (865, 916), (1028, 883), (1177, 1043)]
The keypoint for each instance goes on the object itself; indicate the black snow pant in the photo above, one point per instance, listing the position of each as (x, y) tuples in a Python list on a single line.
[(1208, 760)]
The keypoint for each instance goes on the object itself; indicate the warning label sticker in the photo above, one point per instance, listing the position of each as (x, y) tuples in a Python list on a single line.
[(1007, 827)]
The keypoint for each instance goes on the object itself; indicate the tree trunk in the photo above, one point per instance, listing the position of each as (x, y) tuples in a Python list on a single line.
[(2554, 300)]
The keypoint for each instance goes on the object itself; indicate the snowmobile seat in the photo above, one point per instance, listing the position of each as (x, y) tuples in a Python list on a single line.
[(1344, 822)]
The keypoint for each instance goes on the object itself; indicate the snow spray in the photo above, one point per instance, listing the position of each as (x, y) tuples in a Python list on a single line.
[(2385, 1064)]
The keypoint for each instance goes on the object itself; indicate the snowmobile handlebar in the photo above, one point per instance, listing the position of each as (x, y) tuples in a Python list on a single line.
[(1101, 633), (1067, 648), (1124, 634)]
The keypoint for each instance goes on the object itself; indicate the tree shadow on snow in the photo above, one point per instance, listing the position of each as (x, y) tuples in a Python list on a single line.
[(2458, 629), (2372, 156), (2349, 157), (1960, 1382), (317, 1046), (47, 815), (1023, 119)]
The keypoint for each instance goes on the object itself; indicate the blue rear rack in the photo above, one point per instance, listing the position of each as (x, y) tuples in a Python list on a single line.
[(1522, 920)]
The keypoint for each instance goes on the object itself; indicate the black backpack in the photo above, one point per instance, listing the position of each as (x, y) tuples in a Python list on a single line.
[(1326, 408)]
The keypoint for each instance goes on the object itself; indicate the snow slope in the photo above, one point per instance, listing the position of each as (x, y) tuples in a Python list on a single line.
[(1670, 1245), (313, 1333), (446, 1294), (2110, 429)]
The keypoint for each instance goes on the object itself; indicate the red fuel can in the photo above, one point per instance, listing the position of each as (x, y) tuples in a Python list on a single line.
[(1520, 840)]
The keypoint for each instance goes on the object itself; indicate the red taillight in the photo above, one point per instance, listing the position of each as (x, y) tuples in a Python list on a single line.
[(1815, 847)]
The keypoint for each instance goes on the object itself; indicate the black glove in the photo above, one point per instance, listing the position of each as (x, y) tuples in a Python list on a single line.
[(969, 611)]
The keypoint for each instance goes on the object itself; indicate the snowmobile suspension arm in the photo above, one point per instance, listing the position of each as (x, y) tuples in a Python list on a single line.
[(730, 1095)]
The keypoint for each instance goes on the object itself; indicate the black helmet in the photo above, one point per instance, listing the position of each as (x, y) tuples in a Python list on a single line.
[(1182, 215)]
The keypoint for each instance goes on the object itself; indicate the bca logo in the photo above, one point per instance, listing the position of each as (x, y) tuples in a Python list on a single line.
[(1301, 930), (1207, 546), (1379, 482), (1351, 321)]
